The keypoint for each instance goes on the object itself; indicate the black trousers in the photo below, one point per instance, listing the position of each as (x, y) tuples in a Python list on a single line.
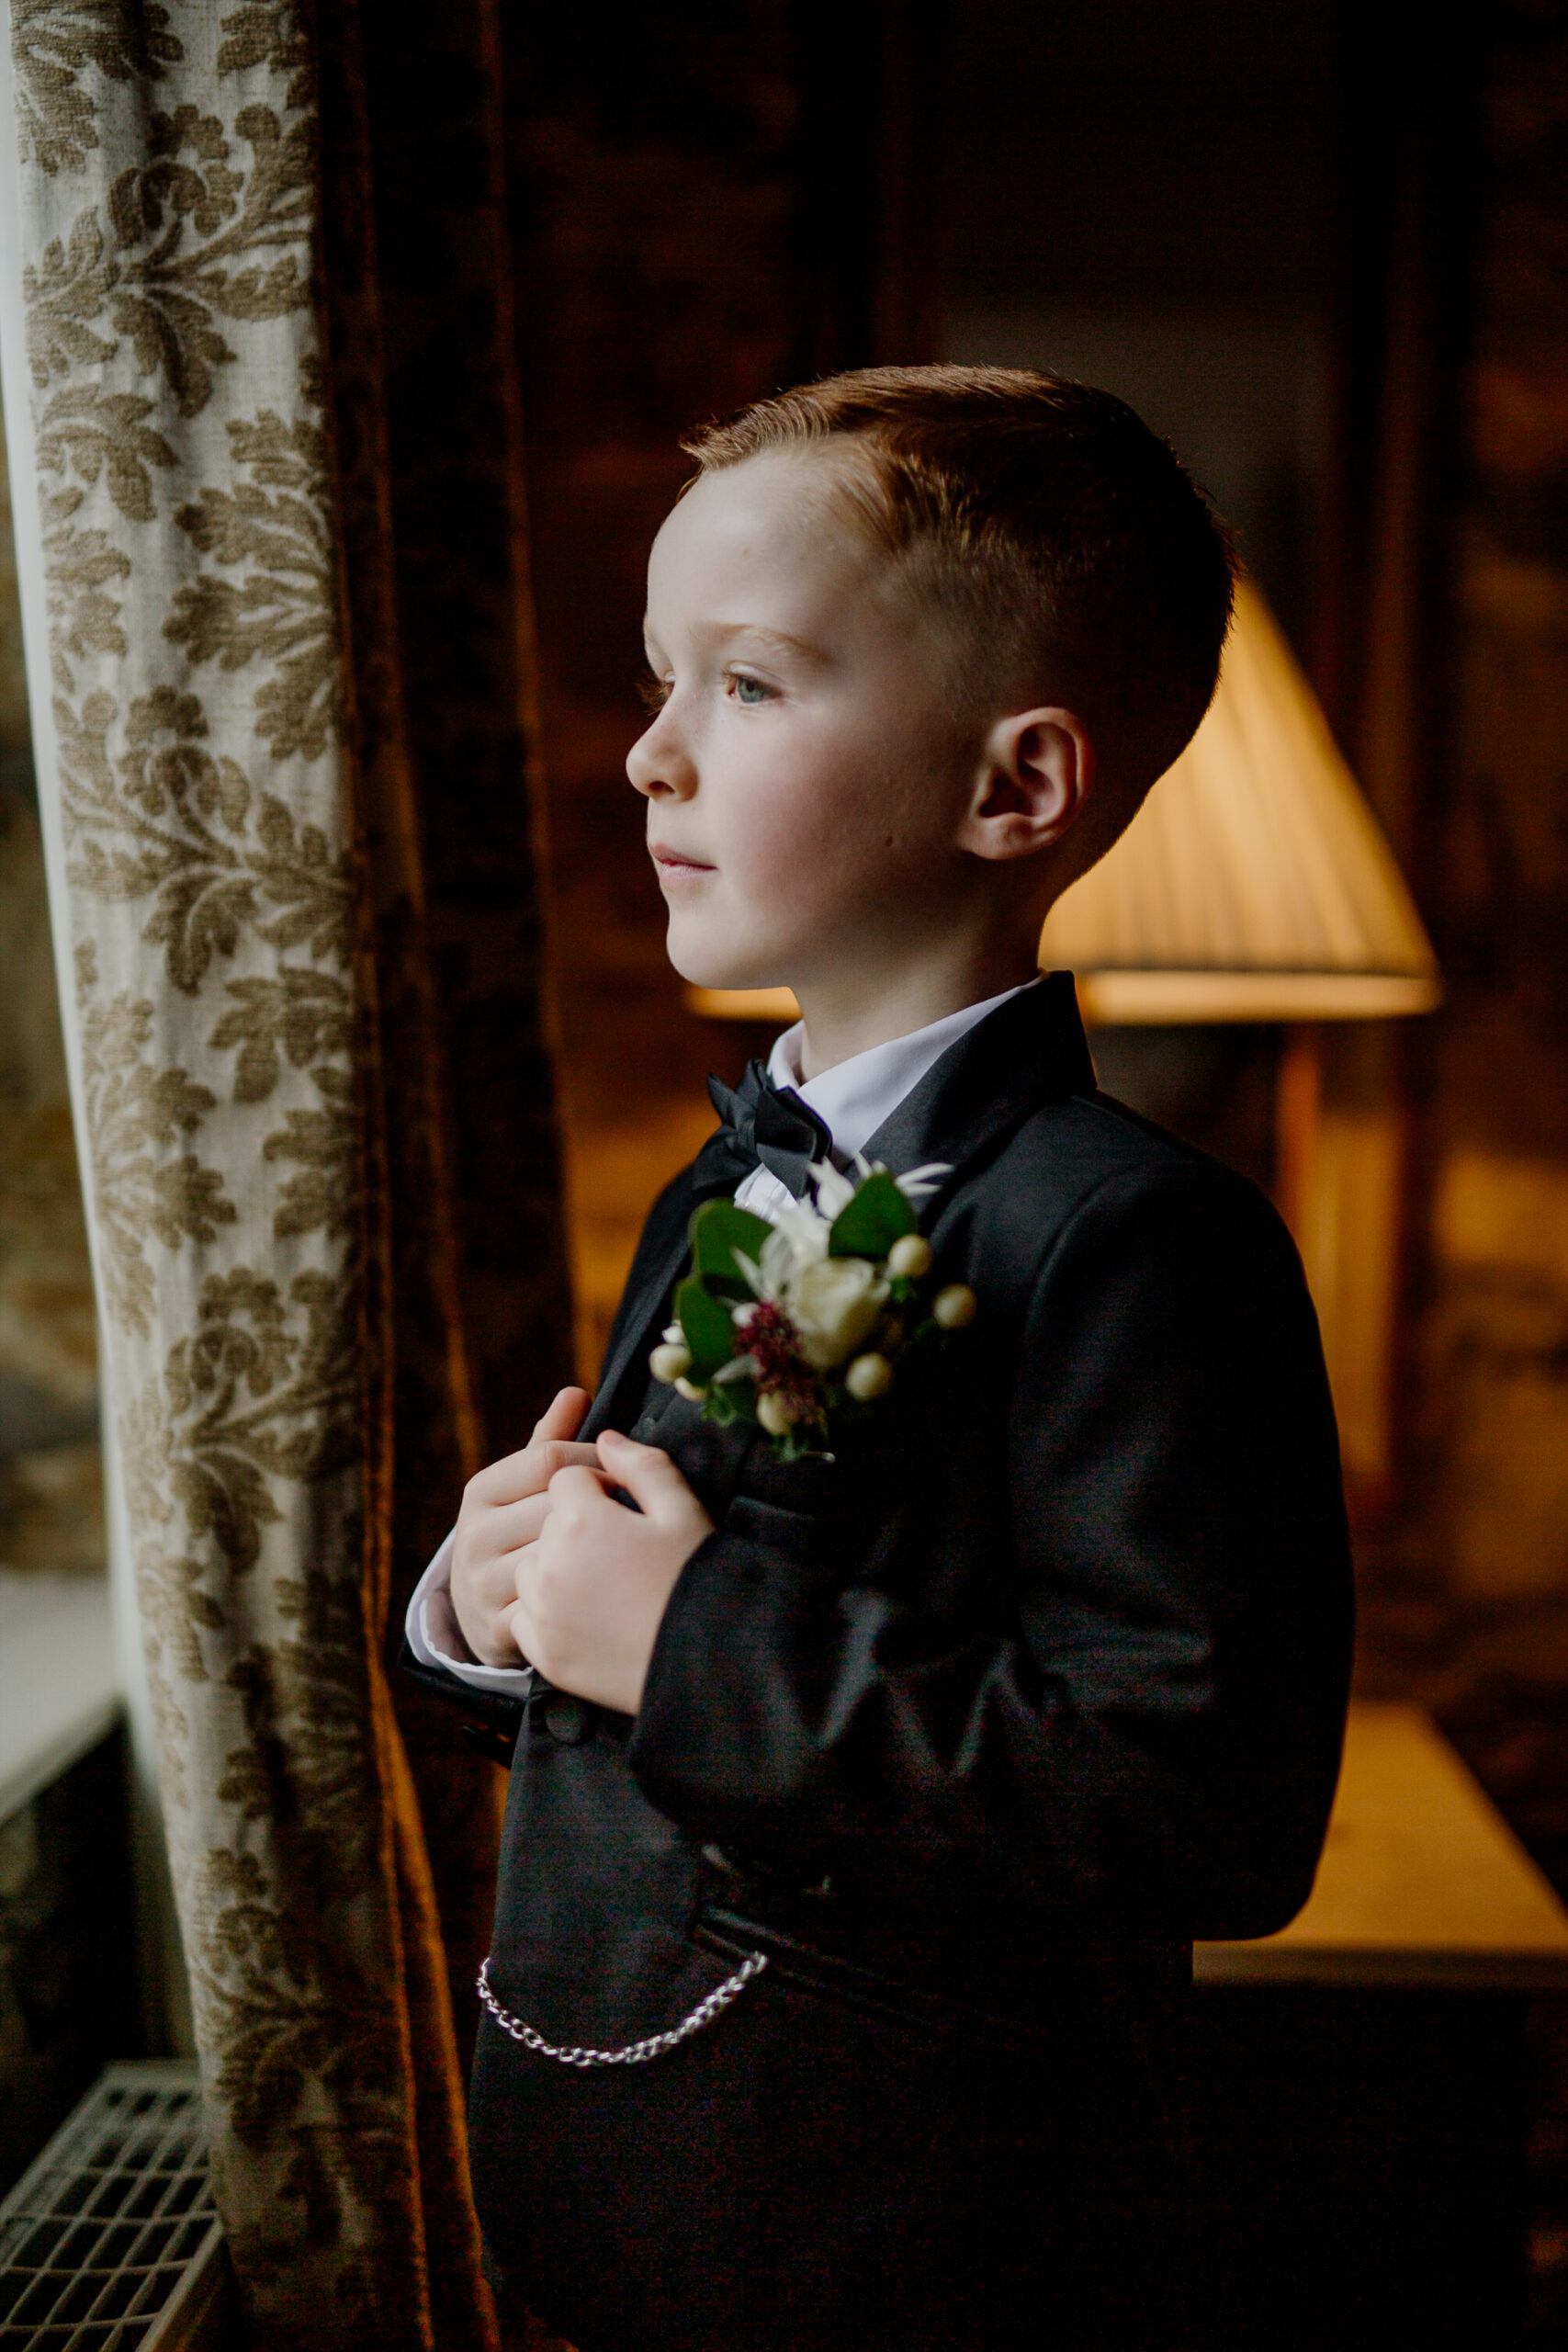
[(802, 2176)]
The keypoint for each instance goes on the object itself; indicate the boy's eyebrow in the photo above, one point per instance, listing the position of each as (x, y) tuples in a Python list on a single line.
[(779, 637), (782, 637)]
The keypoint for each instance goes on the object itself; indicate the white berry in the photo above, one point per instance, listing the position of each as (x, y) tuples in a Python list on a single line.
[(910, 1257), (775, 1413), (953, 1306), (869, 1377), (669, 1360)]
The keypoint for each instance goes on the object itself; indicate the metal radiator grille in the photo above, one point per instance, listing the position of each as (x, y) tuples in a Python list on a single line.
[(110, 2240)]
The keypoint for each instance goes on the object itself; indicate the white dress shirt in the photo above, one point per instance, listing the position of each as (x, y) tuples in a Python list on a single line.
[(852, 1098)]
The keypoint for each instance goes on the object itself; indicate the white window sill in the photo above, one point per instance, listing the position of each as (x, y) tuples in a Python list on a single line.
[(59, 1690)]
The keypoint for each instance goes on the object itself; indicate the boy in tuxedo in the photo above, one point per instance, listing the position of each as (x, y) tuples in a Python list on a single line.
[(864, 1807)]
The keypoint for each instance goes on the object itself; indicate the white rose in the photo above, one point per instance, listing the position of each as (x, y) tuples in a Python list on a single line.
[(834, 1304)]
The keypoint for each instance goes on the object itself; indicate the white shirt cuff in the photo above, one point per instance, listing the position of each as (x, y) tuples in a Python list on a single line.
[(436, 1640)]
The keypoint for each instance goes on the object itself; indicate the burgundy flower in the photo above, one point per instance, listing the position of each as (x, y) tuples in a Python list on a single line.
[(773, 1344)]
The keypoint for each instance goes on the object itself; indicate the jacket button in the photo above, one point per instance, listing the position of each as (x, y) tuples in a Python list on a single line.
[(567, 1719)]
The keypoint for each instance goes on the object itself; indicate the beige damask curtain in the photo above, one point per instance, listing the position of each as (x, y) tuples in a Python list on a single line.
[(278, 565)]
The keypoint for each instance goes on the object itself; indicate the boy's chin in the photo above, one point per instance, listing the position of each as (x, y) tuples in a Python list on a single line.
[(706, 966)]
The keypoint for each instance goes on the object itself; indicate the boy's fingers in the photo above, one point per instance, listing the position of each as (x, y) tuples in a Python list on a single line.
[(516, 1621), (647, 1474), (528, 1472), (576, 1484), (564, 1415), (519, 1563), (516, 1524), (557, 1455), (506, 1481)]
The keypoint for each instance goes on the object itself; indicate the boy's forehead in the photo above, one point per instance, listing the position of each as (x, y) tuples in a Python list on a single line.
[(770, 531), (778, 496)]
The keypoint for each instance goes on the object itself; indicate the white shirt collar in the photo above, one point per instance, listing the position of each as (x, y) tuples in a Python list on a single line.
[(854, 1097)]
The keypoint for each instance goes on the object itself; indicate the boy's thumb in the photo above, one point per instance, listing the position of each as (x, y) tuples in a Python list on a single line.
[(647, 1474)]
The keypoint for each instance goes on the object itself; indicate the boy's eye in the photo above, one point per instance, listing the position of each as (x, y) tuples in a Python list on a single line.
[(651, 692), (749, 691)]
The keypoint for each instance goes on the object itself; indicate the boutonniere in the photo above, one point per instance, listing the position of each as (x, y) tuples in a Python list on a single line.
[(798, 1321)]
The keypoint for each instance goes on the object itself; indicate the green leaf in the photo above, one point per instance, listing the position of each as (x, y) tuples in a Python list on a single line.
[(707, 1326), (718, 1407), (730, 1400), (801, 1444), (868, 1225), (718, 1230)]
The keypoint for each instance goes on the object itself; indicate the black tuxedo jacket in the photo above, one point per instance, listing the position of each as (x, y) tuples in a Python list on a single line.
[(1043, 1676)]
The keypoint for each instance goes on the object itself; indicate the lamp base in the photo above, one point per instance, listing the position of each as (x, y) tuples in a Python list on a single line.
[(1340, 1147)]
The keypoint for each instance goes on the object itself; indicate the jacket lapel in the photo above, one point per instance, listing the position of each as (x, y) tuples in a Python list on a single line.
[(661, 1259), (1031, 1050), (632, 1336)]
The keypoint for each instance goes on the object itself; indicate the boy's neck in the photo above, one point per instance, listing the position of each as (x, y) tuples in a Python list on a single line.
[(838, 1023)]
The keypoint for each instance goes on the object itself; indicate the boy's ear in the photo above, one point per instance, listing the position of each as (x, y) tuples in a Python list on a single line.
[(1035, 782)]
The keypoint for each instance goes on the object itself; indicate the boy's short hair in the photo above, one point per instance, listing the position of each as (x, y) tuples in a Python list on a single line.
[(1046, 516)]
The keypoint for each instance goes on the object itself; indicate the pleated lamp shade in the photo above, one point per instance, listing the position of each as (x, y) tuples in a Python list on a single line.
[(1254, 884)]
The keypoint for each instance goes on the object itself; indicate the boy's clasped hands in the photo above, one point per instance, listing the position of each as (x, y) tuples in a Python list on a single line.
[(548, 1569)]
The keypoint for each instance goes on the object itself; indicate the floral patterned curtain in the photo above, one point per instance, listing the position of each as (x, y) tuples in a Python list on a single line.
[(285, 738)]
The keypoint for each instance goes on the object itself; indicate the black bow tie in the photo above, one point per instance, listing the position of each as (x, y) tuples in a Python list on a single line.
[(764, 1125)]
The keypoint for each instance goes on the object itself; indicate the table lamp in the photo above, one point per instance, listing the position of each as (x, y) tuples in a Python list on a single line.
[(1254, 884)]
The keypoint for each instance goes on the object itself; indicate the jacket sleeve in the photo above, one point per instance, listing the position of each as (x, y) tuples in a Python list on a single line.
[(1139, 1710)]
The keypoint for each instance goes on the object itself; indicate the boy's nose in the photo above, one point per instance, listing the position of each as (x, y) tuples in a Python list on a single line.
[(658, 768)]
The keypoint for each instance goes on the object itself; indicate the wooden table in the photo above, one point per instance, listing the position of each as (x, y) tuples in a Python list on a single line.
[(1421, 1882), (1360, 2081)]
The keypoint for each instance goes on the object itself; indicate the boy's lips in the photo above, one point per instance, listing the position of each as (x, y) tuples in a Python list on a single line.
[(675, 862)]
